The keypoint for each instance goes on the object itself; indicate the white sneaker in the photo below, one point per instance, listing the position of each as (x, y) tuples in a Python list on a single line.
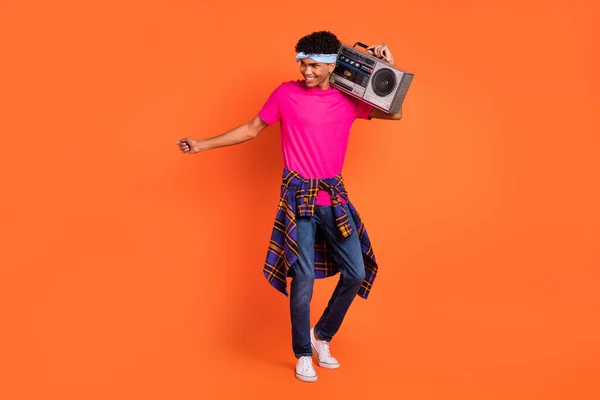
[(304, 369), (321, 348)]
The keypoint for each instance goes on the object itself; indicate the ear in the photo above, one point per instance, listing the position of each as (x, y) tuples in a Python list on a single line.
[(331, 67)]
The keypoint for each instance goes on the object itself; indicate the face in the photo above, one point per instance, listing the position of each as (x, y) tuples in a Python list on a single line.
[(316, 74)]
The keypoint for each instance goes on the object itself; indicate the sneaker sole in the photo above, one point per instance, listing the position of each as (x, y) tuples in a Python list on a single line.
[(323, 365), (306, 378)]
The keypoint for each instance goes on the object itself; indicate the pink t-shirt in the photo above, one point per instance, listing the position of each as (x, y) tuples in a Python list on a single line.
[(315, 127)]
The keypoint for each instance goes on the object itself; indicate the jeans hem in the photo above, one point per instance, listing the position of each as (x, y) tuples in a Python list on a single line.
[(319, 335)]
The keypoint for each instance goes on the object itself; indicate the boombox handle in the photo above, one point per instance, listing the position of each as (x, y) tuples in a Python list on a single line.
[(361, 45)]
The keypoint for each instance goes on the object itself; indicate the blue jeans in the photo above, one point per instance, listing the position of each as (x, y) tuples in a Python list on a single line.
[(347, 254)]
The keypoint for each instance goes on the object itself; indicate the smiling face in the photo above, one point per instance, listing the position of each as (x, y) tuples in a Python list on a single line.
[(316, 74)]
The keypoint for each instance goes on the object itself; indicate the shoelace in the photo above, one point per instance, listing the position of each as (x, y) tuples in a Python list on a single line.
[(305, 364), (325, 350)]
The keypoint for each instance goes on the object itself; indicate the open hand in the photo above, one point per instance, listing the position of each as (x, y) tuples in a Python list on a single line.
[(382, 51)]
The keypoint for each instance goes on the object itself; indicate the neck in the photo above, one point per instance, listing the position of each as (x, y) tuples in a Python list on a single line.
[(325, 84)]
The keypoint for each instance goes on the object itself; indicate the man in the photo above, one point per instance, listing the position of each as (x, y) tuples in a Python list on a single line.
[(317, 231)]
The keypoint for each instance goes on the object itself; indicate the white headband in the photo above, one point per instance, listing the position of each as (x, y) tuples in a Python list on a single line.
[(322, 58)]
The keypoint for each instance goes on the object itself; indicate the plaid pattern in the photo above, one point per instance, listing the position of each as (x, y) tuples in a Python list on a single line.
[(298, 196)]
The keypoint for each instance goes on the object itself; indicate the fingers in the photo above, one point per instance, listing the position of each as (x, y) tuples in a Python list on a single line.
[(387, 54), (381, 51), (376, 50), (184, 146)]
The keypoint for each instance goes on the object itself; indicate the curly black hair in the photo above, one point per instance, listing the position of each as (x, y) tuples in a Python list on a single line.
[(322, 42)]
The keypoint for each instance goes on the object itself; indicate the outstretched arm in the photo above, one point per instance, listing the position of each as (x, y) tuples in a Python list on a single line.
[(235, 136)]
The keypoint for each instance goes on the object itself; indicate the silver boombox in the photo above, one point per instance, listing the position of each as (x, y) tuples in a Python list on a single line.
[(370, 79)]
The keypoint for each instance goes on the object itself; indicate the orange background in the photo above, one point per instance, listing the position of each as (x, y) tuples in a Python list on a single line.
[(482, 203)]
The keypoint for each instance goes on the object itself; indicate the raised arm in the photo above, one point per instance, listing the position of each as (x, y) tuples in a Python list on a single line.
[(378, 114)]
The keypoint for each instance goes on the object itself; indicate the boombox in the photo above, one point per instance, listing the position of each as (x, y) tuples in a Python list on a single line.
[(370, 79)]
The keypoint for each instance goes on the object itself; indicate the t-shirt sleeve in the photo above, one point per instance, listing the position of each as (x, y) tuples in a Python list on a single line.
[(270, 113), (363, 110)]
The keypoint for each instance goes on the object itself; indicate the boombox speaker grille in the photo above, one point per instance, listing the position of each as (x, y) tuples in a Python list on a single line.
[(404, 85), (383, 82)]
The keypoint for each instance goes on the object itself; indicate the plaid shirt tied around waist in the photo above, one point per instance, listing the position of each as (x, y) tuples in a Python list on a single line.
[(298, 196)]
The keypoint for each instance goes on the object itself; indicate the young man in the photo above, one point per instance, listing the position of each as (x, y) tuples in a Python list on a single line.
[(317, 231)]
